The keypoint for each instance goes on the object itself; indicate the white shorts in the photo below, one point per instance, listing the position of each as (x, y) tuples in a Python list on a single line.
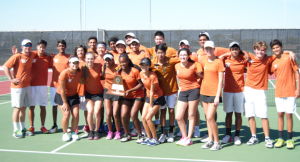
[(255, 103), (39, 95), (82, 104), (20, 97), (170, 101), (52, 95), (233, 102), (286, 104)]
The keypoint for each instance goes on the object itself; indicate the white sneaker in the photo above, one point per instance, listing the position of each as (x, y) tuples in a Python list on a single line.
[(268, 143), (179, 134), (134, 132), (74, 136), (226, 139), (216, 146), (180, 141), (140, 138), (144, 132), (162, 138), (170, 138), (197, 134), (205, 139), (207, 145), (65, 137), (252, 141), (237, 141)]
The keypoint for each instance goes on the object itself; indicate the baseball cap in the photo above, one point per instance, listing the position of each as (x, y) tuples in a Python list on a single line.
[(146, 61), (73, 59), (25, 41), (184, 42), (120, 42), (129, 34), (233, 43), (204, 33), (108, 55), (209, 44), (134, 40)]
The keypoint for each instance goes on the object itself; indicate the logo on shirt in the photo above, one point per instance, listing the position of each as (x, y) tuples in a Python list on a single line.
[(116, 62), (227, 64), (251, 61), (142, 80), (70, 80), (204, 67), (284, 58), (23, 60), (34, 60), (177, 71), (275, 66), (55, 60)]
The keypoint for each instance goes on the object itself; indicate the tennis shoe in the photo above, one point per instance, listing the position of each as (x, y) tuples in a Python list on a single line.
[(54, 129), (110, 135), (162, 138), (226, 139), (217, 146), (125, 138), (17, 134), (74, 136), (96, 135), (170, 138), (187, 141), (290, 144), (117, 135), (205, 139), (146, 141), (207, 145), (25, 132), (91, 135), (252, 141), (180, 141), (44, 130), (279, 143), (31, 129), (65, 137), (86, 129), (140, 138), (153, 142), (268, 143), (237, 141), (134, 132)]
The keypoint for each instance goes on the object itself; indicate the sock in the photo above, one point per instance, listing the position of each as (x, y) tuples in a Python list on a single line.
[(22, 125), (101, 123), (228, 131), (32, 126), (163, 130), (216, 143), (55, 124), (157, 121), (42, 126), (254, 135), (237, 133), (280, 134), (196, 128), (15, 124), (266, 138), (289, 135), (171, 129)]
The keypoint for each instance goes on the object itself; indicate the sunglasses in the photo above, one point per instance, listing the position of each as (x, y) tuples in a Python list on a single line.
[(27, 45)]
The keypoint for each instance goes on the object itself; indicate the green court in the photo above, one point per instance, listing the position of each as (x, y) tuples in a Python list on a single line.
[(49, 147)]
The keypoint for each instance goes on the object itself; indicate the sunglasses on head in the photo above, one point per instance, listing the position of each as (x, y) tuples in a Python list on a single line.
[(28, 45)]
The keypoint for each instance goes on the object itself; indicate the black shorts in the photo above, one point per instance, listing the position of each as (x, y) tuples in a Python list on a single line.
[(72, 100), (134, 99), (209, 99), (94, 97), (189, 95), (111, 97), (157, 101)]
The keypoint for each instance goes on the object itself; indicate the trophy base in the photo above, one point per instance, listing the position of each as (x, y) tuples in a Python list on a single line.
[(115, 93)]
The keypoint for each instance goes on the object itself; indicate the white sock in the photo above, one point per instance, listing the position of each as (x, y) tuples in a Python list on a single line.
[(32, 126), (22, 125), (267, 137), (157, 121), (15, 124), (196, 128), (42, 126), (254, 135), (216, 142)]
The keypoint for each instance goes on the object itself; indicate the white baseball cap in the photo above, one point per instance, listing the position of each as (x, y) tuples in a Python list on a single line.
[(25, 41), (209, 44), (130, 34), (233, 43), (134, 40), (184, 42), (120, 42), (204, 33), (74, 59)]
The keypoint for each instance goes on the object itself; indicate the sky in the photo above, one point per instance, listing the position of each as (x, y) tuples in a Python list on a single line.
[(57, 15)]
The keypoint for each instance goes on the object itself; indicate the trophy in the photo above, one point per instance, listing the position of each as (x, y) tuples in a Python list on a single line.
[(117, 87)]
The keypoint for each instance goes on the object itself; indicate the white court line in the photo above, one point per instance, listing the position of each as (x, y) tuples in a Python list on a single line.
[(5, 102), (63, 146), (271, 83), (110, 156)]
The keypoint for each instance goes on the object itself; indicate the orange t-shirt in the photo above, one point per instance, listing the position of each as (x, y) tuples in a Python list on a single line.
[(257, 72), (148, 81), (187, 76), (22, 68), (234, 74), (129, 50), (113, 52), (100, 61), (71, 80), (59, 63), (81, 87), (284, 69), (39, 70), (91, 50), (136, 58), (203, 56), (116, 58), (171, 52), (130, 81), (210, 80), (109, 76), (93, 84), (166, 75)]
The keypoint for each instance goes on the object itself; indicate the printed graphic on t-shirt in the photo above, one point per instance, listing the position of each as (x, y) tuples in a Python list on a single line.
[(23, 60), (55, 60)]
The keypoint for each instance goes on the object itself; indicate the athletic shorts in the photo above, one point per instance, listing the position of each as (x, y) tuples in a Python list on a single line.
[(82, 104), (157, 101), (94, 97), (209, 99), (286, 104), (255, 103), (170, 101), (111, 97), (20, 97), (72, 100), (52, 95), (233, 102), (189, 95), (38, 95), (133, 99)]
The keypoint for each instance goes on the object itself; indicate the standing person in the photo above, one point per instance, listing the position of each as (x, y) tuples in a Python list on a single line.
[(92, 43), (154, 100), (211, 93), (133, 97), (111, 102), (59, 63), (121, 48), (20, 86), (286, 91), (112, 44), (67, 97), (233, 92), (136, 56), (93, 93), (128, 38), (187, 72), (38, 85), (164, 68)]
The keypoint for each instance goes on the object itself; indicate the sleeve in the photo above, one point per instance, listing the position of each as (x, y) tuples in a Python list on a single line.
[(11, 61), (198, 68), (220, 51), (271, 58), (221, 66), (173, 52), (63, 76), (153, 79), (137, 75), (174, 60), (150, 50), (294, 65), (194, 58), (50, 60)]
